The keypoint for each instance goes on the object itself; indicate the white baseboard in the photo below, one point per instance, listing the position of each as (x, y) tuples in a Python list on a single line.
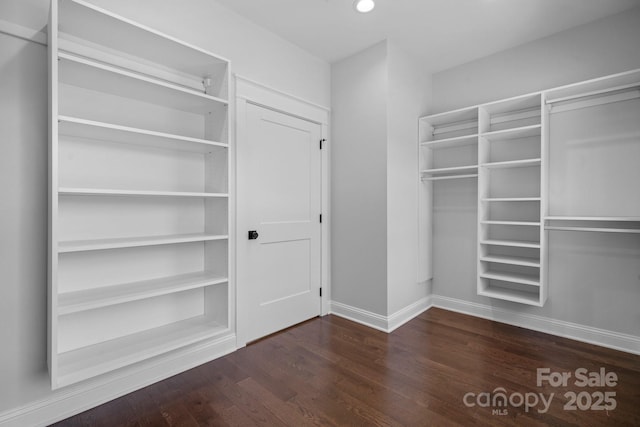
[(378, 321), (574, 331), (402, 316), (75, 399)]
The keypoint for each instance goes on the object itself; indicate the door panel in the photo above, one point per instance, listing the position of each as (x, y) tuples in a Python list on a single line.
[(279, 192)]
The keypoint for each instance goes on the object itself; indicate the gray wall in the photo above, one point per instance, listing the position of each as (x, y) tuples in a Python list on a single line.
[(408, 97), (594, 279), (606, 46), (376, 97), (359, 86), (23, 222)]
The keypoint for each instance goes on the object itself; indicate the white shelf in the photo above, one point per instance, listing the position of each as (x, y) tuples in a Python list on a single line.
[(513, 164), (517, 223), (65, 191), (86, 73), (596, 229), (512, 295), (511, 260), (511, 199), (582, 224), (110, 31), (594, 218), (447, 118), (457, 141), (514, 133), (450, 170), (100, 131), (91, 361), (132, 242), (73, 302), (600, 92), (513, 243), (514, 105), (446, 177), (524, 279)]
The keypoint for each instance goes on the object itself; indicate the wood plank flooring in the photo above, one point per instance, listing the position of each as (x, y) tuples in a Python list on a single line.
[(330, 371)]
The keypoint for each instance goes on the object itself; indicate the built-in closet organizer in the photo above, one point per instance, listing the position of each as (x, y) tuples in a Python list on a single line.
[(139, 195), (564, 159)]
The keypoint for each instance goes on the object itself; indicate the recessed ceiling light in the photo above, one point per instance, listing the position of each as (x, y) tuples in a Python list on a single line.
[(364, 6)]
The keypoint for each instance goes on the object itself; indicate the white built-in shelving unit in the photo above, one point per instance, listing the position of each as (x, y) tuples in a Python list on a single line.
[(139, 194), (448, 145), (511, 238), (565, 159)]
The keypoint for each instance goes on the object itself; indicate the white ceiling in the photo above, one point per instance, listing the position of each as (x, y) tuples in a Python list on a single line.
[(440, 33)]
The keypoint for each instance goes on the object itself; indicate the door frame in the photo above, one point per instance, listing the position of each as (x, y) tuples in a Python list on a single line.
[(251, 92)]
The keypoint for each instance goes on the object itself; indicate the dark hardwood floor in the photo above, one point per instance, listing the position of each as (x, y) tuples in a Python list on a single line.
[(330, 371)]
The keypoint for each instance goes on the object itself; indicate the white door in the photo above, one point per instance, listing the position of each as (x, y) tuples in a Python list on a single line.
[(279, 203)]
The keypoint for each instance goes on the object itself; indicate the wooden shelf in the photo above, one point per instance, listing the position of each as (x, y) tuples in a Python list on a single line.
[(514, 133), (458, 141), (513, 164), (91, 361), (99, 131), (511, 260), (524, 279), (73, 302), (513, 243), (517, 223), (119, 243), (513, 295), (65, 191), (93, 75)]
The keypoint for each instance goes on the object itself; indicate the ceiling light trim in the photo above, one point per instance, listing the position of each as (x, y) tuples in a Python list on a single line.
[(364, 6)]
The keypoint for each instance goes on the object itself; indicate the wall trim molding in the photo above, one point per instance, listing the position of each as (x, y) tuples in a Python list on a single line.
[(261, 86), (75, 399), (560, 328), (249, 92), (377, 321), (24, 33)]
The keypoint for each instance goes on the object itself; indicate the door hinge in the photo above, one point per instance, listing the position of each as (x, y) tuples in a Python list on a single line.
[(320, 218), (321, 141), (320, 291)]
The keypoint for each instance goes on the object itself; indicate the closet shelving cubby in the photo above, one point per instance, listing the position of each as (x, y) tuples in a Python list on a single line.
[(448, 145), (139, 194)]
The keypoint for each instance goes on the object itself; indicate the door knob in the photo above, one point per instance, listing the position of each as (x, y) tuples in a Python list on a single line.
[(253, 235)]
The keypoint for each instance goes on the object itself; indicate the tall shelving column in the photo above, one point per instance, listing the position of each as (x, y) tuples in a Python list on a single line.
[(139, 195), (511, 200), (448, 149)]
